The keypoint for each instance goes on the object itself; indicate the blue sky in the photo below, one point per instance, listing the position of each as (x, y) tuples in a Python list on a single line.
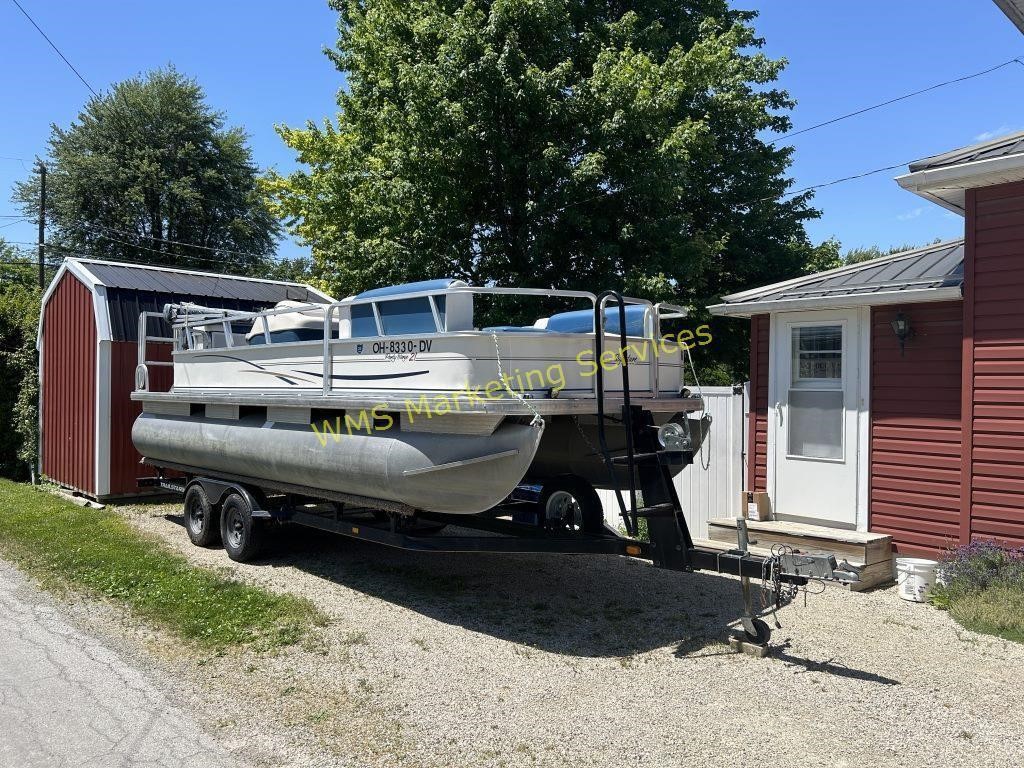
[(265, 65)]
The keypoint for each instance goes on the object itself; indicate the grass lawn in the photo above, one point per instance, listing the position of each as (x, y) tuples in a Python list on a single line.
[(99, 554), (996, 610)]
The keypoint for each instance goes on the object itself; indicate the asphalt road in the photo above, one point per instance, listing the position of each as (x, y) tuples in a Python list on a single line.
[(67, 699)]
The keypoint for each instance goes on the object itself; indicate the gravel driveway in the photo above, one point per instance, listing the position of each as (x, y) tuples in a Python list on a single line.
[(440, 660)]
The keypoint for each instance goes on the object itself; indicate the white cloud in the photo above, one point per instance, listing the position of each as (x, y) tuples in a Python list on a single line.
[(912, 214), (1000, 131)]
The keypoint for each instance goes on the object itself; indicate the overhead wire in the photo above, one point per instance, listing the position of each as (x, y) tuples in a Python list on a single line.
[(781, 196), (55, 48), (943, 84)]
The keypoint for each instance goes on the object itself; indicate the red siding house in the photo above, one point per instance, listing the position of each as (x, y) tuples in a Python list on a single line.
[(888, 396), (88, 335)]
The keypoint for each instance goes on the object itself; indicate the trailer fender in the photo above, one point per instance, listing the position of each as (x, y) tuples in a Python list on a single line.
[(217, 490)]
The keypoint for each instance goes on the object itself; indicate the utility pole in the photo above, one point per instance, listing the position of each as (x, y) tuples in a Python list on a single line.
[(42, 221)]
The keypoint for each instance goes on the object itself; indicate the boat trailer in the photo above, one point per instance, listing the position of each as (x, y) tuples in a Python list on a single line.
[(650, 454)]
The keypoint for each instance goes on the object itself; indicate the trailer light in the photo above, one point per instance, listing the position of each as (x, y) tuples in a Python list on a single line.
[(355, 531), (633, 550)]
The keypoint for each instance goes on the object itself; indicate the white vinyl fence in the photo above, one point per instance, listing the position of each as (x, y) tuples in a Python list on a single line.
[(711, 486)]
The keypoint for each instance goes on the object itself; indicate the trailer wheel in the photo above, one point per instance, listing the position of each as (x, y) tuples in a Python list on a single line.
[(762, 632), (242, 534), (202, 522), (571, 502)]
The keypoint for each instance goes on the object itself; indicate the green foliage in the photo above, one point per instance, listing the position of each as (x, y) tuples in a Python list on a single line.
[(983, 589), (298, 270), (857, 255), (149, 163), (551, 143), (19, 389), (99, 553)]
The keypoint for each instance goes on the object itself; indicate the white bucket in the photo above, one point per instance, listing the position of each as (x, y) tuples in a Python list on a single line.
[(915, 577)]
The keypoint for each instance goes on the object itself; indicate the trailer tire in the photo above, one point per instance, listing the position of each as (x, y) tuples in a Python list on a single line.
[(241, 532), (762, 632), (583, 493), (202, 520)]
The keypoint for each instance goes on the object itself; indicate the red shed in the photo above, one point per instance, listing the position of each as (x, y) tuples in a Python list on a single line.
[(888, 396), (87, 342)]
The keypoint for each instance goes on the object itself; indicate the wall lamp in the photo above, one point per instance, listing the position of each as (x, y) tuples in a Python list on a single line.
[(901, 327)]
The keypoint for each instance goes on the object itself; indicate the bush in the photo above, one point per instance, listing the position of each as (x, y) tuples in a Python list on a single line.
[(19, 384), (983, 588)]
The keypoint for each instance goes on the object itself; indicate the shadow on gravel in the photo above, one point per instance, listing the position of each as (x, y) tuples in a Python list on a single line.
[(580, 605), (828, 668)]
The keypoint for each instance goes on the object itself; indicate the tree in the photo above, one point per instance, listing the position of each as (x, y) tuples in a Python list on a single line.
[(19, 316), (550, 143), (147, 168), (857, 255)]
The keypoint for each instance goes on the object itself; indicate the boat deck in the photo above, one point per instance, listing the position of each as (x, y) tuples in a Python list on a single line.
[(400, 401)]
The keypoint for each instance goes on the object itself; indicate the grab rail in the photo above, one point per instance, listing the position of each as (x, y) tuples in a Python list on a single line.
[(653, 315), (142, 364), (629, 519)]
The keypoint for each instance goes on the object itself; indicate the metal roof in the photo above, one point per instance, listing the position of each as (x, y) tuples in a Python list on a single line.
[(1004, 146), (1014, 10), (180, 282), (931, 268)]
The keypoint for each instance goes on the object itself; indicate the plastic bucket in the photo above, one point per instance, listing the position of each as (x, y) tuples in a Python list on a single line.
[(915, 578)]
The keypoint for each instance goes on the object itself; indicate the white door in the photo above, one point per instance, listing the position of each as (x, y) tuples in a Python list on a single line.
[(816, 361)]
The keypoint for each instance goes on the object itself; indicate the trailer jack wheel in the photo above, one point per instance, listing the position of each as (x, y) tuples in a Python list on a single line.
[(756, 631), (241, 532)]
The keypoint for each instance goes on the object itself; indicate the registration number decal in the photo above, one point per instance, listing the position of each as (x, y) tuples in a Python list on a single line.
[(402, 346)]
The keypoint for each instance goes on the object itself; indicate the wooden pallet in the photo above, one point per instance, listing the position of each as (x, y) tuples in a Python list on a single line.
[(872, 552)]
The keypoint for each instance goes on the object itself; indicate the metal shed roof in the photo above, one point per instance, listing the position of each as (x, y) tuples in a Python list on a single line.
[(1012, 144), (180, 282), (122, 290), (932, 273)]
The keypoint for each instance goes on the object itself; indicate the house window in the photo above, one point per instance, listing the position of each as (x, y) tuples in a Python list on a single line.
[(816, 392)]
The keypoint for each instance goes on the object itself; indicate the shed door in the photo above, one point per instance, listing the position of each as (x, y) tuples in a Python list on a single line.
[(814, 421)]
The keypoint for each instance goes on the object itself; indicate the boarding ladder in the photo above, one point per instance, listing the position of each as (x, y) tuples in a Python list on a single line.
[(646, 462)]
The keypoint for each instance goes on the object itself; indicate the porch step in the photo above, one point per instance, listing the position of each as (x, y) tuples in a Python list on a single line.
[(872, 551), (871, 576)]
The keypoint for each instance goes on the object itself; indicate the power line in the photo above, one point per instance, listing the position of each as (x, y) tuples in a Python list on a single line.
[(178, 242), (898, 98), (167, 254), (854, 177), (53, 45)]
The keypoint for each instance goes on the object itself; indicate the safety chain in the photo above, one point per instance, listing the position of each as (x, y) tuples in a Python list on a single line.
[(537, 418)]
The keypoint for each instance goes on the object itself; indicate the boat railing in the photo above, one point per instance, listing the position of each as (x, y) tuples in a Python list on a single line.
[(192, 323), (142, 364)]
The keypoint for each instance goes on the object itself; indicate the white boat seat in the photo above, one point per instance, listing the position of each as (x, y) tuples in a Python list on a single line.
[(514, 329), (307, 325)]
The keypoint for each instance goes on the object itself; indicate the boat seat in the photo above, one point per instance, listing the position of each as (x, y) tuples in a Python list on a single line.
[(289, 334), (582, 320), (301, 325), (514, 329)]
